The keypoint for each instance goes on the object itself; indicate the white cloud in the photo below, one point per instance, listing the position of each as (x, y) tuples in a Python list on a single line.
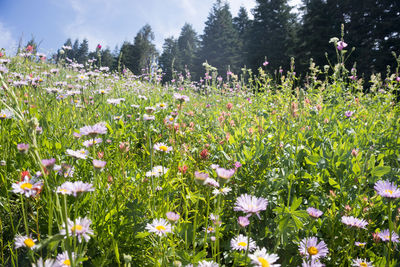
[(7, 41)]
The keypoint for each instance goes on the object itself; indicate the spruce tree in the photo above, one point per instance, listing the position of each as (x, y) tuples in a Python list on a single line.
[(219, 43), (188, 45), (242, 25), (168, 58), (271, 34)]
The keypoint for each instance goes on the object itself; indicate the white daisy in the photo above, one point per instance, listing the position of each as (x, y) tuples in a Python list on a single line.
[(28, 187), (81, 229), (162, 147), (159, 226), (24, 241), (241, 243), (79, 154), (261, 258)]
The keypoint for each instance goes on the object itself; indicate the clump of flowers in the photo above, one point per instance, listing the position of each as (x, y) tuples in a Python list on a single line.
[(99, 128)]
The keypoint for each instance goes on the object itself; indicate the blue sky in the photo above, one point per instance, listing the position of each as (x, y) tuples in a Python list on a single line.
[(108, 22)]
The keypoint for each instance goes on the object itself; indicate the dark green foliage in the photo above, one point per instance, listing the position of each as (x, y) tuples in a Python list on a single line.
[(188, 45), (169, 57), (219, 44), (272, 34), (242, 25), (139, 55)]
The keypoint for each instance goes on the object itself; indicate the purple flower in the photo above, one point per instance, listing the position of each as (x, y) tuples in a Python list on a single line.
[(349, 113), (99, 164), (200, 176), (23, 148), (354, 222), (341, 45), (172, 216), (224, 173), (250, 204), (309, 247), (265, 63), (385, 236), (48, 163), (99, 128), (237, 165), (313, 212), (387, 189), (243, 221)]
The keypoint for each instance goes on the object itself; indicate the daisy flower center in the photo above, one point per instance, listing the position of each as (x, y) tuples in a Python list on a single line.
[(160, 228), (2, 115), (387, 237), (77, 227), (389, 191), (242, 244), (26, 186), (162, 105), (363, 264), (82, 152), (164, 148), (312, 250), (63, 190), (210, 229), (29, 242), (67, 262), (264, 262), (171, 119)]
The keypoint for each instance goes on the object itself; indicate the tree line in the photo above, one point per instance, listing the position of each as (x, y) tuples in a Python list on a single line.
[(274, 35)]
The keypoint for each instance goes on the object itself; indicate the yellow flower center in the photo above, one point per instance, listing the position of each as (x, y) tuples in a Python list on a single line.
[(2, 115), (389, 191), (210, 229), (163, 148), (67, 262), (26, 186), (162, 105), (102, 91), (63, 190), (242, 244), (361, 245), (160, 228), (264, 262), (29, 242), (312, 250), (82, 152), (77, 227), (171, 119), (387, 237), (363, 264)]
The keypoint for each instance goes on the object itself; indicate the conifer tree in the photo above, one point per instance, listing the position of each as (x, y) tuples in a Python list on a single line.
[(219, 43)]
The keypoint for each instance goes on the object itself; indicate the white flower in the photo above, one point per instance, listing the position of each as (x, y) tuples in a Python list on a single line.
[(24, 241), (162, 147), (80, 229), (63, 259), (261, 258), (159, 226), (240, 243), (79, 154), (224, 191), (47, 263), (27, 187)]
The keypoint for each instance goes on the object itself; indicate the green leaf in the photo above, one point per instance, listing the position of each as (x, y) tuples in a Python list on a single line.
[(380, 171), (333, 183)]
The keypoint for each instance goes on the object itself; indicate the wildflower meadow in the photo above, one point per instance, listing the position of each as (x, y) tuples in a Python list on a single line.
[(102, 168)]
